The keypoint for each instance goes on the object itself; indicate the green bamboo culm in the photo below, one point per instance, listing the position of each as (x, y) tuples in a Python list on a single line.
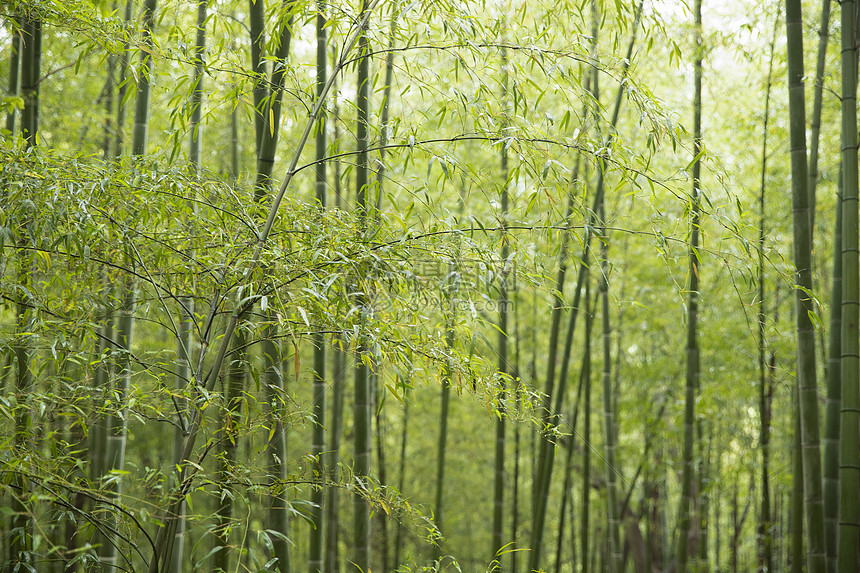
[(377, 391), (815, 124), (833, 405), (102, 378), (692, 358), (108, 102), (405, 382), (376, 388), (385, 113), (270, 104), (183, 378), (547, 447), (331, 562), (21, 540), (317, 533), (119, 124), (14, 77), (765, 386), (230, 419), (267, 131), (806, 374), (796, 527), (277, 510), (565, 515), (31, 65), (321, 140), (502, 349), (338, 376), (116, 426), (849, 455), (141, 104), (362, 406), (186, 302), (704, 442), (450, 289), (256, 25), (615, 557), (196, 139), (519, 432), (585, 494)]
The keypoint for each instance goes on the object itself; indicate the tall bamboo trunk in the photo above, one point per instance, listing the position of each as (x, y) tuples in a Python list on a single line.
[(614, 559), (31, 58), (442, 446), (256, 25), (384, 123), (547, 447), (516, 478), (195, 143), (806, 373), (705, 442), (270, 105), (21, 540), (834, 397), (186, 302), (685, 513), (849, 444), (765, 541), (267, 120), (567, 487), (117, 427), (796, 526), (383, 519), (585, 507), (102, 376), (13, 85), (229, 438), (141, 103), (107, 99), (338, 375), (20, 543), (362, 406), (502, 349), (276, 446), (383, 541), (183, 377), (401, 480), (317, 540), (568, 478), (815, 124), (340, 198), (450, 289), (119, 125), (116, 431)]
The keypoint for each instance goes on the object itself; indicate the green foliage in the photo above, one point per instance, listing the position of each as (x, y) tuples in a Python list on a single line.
[(90, 226)]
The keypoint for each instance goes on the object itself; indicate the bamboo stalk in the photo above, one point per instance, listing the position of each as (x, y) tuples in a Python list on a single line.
[(849, 444), (806, 372)]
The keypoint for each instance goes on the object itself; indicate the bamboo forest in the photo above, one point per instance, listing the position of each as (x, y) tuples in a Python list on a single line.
[(465, 286)]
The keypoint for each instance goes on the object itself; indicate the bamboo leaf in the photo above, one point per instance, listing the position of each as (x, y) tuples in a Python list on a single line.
[(271, 121)]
